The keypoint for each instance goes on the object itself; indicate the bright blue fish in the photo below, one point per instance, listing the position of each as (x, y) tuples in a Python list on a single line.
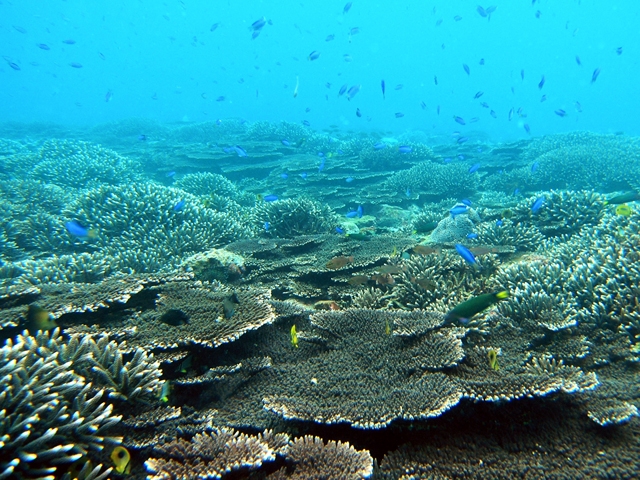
[(76, 229), (360, 211), (499, 223), (179, 206), (474, 168), (240, 151), (405, 149), (352, 214), (465, 253), (458, 210), (286, 143), (270, 198), (266, 226), (380, 146), (537, 205), (339, 230), (349, 179), (466, 201), (472, 236), (284, 175)]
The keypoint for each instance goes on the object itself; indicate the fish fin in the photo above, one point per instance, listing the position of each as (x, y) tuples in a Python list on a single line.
[(502, 295)]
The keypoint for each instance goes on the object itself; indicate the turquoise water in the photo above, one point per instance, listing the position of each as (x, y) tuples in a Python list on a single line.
[(226, 250)]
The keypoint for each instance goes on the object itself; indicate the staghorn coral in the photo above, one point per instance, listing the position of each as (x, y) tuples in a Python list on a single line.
[(140, 229), (523, 237), (583, 160), (293, 217), (207, 183), (78, 164), (430, 178), (49, 415), (79, 268)]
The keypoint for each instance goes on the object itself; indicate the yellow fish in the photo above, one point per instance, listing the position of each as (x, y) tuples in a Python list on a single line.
[(294, 337), (493, 359), (39, 319), (387, 327), (624, 210), (121, 459)]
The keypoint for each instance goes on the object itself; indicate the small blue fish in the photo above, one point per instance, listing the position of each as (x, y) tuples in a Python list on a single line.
[(516, 192), (466, 68), (360, 211), (284, 176), (478, 95), (408, 193), (179, 206), (43, 46), (578, 60), (499, 223), (535, 166), (339, 152), (462, 140), (537, 205), (595, 74), (466, 202), (459, 120), (303, 175), (286, 143), (543, 98), (465, 253), (240, 151), (354, 31), (69, 42), (347, 7), (461, 157), (423, 105), (142, 138), (472, 236), (314, 55), (258, 24), (270, 198), (474, 168), (399, 114), (481, 62), (541, 84), (493, 114), (329, 38), (447, 160), (380, 146), (306, 123), (339, 230), (349, 179), (619, 50), (170, 174), (435, 80), (352, 214), (383, 88), (266, 226), (75, 65), (358, 113), (405, 149), (398, 87), (343, 89), (459, 210), (353, 91), (76, 229), (220, 99), (560, 113)]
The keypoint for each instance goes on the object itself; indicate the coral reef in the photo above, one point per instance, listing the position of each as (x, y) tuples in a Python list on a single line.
[(294, 217), (50, 415)]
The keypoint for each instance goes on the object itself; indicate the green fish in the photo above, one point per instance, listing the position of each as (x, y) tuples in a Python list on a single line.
[(467, 309), (492, 355), (39, 319), (624, 198), (229, 305)]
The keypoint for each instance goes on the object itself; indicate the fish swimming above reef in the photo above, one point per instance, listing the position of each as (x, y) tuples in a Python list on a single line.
[(339, 262), (294, 337), (121, 459), (624, 210), (39, 319), (424, 250), (624, 198), (174, 318), (76, 229), (467, 309), (358, 280), (229, 305)]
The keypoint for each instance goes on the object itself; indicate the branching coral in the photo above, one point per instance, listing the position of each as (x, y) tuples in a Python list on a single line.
[(292, 217), (49, 415)]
